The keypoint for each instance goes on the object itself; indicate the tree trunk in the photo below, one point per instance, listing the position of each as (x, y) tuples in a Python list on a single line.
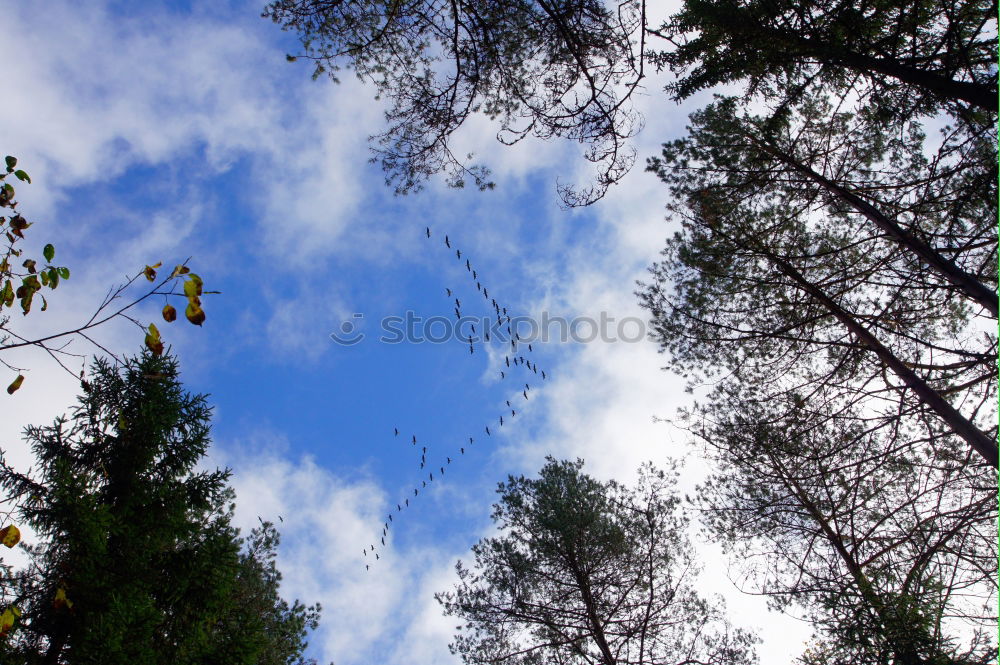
[(980, 442), (968, 284)]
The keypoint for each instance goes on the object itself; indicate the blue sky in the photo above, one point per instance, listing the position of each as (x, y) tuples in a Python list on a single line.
[(168, 132)]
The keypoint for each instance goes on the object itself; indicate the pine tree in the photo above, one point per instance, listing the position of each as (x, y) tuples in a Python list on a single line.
[(586, 572), (137, 561)]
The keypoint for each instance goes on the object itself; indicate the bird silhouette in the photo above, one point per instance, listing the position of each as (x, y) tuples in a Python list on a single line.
[(488, 431), (543, 374), (507, 360), (407, 502), (365, 552), (383, 542), (390, 517), (458, 314), (428, 232), (470, 439), (421, 464), (527, 387), (398, 507), (458, 253), (414, 439), (529, 347), (424, 449), (373, 548), (471, 349), (468, 266), (425, 483), (508, 404), (415, 491), (473, 328), (525, 393), (442, 470), (457, 303), (396, 429), (501, 421), (478, 287), (513, 413), (366, 566), (487, 334), (462, 450), (448, 291), (376, 556), (432, 476), (448, 459), (446, 242), (502, 375), (485, 293)]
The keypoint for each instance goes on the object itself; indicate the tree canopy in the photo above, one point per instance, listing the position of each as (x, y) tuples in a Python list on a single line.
[(136, 559), (570, 68)]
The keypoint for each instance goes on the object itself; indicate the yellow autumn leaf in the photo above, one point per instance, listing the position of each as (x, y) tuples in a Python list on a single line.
[(10, 535), (7, 619), (153, 341), (150, 271), (61, 600), (169, 313), (195, 314), (12, 388), (192, 285)]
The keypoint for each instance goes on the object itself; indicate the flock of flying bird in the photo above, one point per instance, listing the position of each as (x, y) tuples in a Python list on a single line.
[(511, 363)]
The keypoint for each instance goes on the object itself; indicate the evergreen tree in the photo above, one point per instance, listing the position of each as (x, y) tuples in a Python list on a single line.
[(585, 572), (137, 561)]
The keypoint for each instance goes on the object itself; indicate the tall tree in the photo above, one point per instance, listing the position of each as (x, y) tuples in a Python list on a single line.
[(588, 572), (137, 561), (781, 276), (893, 560)]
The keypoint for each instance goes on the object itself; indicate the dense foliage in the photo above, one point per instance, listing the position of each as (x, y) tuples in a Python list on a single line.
[(136, 560)]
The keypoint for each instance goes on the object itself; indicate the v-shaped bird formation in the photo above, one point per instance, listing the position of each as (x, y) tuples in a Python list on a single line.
[(514, 359)]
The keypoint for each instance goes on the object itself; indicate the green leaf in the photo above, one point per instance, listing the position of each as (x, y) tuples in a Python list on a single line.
[(22, 176), (63, 272), (11, 163), (49, 252)]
